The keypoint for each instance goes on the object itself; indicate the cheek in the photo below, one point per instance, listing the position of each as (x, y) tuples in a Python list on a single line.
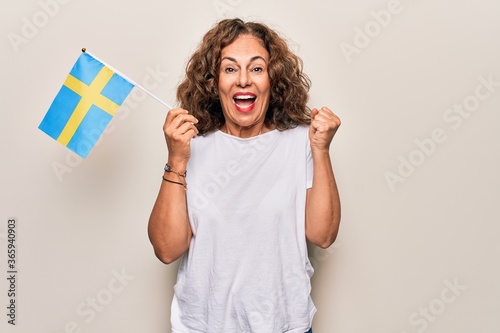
[(224, 88), (267, 95), (221, 83), (265, 88)]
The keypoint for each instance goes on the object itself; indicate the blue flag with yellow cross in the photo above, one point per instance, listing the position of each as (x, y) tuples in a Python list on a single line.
[(88, 99)]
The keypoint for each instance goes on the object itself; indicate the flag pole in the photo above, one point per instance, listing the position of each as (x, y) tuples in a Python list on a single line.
[(84, 50)]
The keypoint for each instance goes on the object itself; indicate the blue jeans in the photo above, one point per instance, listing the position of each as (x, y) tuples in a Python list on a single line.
[(310, 331)]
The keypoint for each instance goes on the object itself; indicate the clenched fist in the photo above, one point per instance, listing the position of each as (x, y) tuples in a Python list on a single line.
[(179, 129), (324, 125)]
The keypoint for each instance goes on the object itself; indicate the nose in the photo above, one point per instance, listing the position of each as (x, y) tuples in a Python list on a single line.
[(244, 79)]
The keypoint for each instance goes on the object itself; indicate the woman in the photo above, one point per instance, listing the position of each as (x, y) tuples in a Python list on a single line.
[(257, 162)]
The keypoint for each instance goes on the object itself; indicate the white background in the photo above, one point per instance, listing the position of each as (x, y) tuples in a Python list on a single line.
[(403, 241)]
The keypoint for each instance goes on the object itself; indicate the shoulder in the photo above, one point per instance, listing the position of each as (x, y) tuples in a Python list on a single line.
[(296, 138), (203, 139), (299, 132)]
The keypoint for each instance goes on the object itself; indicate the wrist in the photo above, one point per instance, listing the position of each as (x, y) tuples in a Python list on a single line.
[(179, 166), (181, 182), (320, 153), (174, 175), (169, 170)]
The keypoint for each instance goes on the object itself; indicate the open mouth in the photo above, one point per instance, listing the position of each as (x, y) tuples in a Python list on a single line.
[(244, 102)]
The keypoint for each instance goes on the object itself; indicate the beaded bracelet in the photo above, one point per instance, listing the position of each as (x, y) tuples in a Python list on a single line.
[(173, 182), (169, 169)]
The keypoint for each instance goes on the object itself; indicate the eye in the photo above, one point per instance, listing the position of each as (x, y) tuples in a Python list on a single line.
[(258, 69), (229, 70)]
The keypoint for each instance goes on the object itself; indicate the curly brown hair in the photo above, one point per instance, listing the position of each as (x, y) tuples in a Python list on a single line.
[(198, 92)]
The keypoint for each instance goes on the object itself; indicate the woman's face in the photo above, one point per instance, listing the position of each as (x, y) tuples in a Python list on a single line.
[(244, 87)]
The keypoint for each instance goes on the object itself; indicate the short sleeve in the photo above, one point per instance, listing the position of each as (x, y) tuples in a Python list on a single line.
[(309, 165)]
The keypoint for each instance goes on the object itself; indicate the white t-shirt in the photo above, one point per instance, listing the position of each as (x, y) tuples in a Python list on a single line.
[(247, 268)]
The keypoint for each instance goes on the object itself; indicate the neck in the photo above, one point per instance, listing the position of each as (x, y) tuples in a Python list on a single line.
[(245, 132)]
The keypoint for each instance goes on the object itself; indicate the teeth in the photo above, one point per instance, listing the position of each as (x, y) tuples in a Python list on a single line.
[(244, 97)]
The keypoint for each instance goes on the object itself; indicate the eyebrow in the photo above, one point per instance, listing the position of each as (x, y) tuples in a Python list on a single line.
[(251, 59)]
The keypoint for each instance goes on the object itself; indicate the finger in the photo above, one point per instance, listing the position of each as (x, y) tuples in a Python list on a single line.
[(171, 115), (181, 119), (322, 114), (324, 111), (182, 140), (174, 113), (318, 126), (171, 125), (186, 127), (328, 121), (314, 112), (326, 115)]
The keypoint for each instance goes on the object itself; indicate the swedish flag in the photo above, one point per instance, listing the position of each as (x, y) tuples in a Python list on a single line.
[(89, 98)]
